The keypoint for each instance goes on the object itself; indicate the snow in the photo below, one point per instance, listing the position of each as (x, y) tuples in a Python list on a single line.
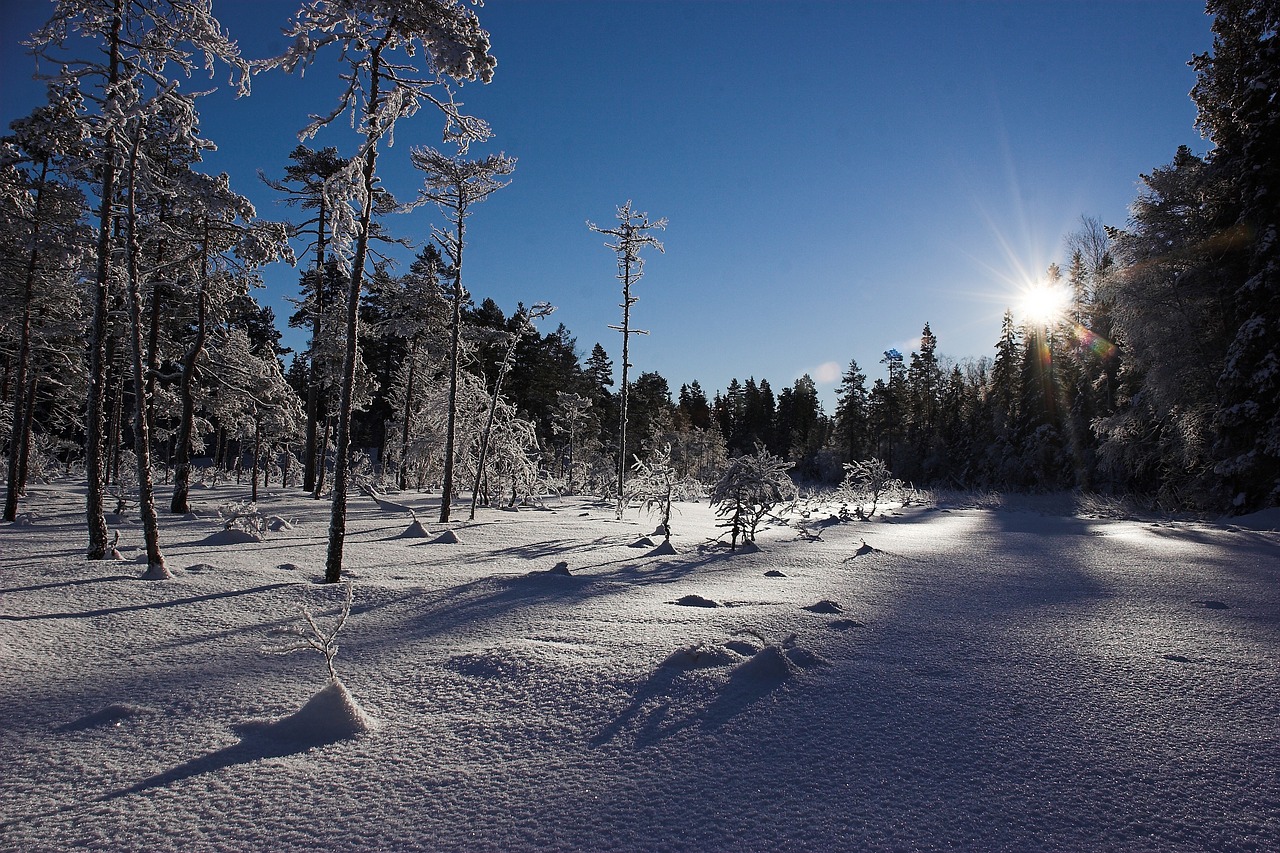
[(997, 679)]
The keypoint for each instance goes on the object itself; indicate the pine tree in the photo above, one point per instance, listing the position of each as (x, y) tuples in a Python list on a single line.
[(400, 56), (630, 236), (304, 185), (1235, 95), (852, 427), (454, 185)]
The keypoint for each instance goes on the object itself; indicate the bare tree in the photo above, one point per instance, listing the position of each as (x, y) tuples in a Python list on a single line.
[(454, 184), (630, 236)]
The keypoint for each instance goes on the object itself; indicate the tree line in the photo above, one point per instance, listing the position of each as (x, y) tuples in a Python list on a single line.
[(131, 341)]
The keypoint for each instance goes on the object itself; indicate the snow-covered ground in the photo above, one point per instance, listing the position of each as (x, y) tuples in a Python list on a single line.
[(972, 678)]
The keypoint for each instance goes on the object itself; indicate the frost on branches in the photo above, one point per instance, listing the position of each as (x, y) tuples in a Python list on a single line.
[(746, 492)]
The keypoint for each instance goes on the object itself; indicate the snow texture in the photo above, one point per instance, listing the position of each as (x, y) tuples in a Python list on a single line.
[(999, 680)]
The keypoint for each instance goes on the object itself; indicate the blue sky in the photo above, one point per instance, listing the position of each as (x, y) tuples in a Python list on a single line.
[(835, 173)]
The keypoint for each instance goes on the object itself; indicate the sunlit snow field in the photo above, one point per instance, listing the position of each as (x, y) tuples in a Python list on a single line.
[(1016, 677)]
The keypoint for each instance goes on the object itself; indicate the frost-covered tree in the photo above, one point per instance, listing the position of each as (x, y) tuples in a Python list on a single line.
[(653, 485), (523, 325), (454, 184), (1180, 260), (631, 235), (42, 243), (573, 420), (120, 53), (750, 487), (399, 56), (1235, 96), (303, 185)]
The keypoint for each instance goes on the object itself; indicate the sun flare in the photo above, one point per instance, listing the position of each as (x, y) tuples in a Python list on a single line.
[(1044, 304)]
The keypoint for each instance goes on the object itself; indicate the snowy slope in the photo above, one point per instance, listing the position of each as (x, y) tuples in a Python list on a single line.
[(974, 679)]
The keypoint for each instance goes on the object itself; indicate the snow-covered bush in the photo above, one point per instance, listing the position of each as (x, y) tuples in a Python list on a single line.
[(748, 489), (245, 517), (653, 484), (868, 481)]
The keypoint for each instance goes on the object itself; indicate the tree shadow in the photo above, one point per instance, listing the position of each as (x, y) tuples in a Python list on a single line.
[(61, 584), (154, 605), (254, 745), (653, 714)]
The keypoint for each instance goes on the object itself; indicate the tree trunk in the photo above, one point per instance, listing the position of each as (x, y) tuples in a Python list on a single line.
[(95, 424), (24, 457), (257, 455), (338, 514), (142, 439), (408, 411), (455, 338), (186, 393), (622, 417), (21, 429), (310, 451)]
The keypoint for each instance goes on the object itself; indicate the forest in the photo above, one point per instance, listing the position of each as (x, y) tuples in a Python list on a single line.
[(133, 350)]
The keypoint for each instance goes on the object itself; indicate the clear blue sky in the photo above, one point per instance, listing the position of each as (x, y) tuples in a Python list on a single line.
[(836, 174)]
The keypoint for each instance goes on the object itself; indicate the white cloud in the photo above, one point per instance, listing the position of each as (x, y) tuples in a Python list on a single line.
[(825, 373)]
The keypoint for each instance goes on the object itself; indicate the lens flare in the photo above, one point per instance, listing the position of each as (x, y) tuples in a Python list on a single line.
[(1044, 304)]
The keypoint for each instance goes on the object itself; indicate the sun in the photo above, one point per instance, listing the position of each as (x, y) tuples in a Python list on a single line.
[(1044, 304)]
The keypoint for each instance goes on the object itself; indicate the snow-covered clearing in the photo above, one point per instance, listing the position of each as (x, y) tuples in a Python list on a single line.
[(971, 678)]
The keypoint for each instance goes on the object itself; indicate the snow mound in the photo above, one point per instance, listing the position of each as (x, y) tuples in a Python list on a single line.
[(446, 538), (560, 569), (157, 572), (693, 600), (748, 547), (826, 605), (330, 715), (642, 542), (804, 658), (491, 663), (276, 524), (289, 567), (845, 624), (415, 530), (191, 516), (24, 519), (865, 549), (830, 521), (774, 573), (666, 549), (197, 568), (1213, 605), (112, 715), (770, 664), (231, 537), (702, 656)]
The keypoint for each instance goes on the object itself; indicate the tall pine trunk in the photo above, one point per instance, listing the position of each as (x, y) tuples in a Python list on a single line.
[(95, 422), (186, 389), (455, 340), (338, 512), (142, 434), (20, 435)]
